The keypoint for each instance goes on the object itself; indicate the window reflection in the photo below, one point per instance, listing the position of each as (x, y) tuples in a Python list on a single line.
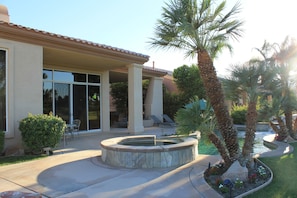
[(76, 96), (47, 97), (79, 77), (47, 75), (63, 76), (93, 78)]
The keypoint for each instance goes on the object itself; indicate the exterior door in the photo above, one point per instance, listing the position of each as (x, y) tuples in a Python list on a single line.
[(62, 101), (73, 96), (80, 105)]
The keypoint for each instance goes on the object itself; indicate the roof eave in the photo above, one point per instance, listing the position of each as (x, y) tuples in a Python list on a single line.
[(28, 35)]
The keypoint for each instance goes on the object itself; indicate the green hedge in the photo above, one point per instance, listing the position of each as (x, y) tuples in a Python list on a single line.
[(40, 131), (238, 114)]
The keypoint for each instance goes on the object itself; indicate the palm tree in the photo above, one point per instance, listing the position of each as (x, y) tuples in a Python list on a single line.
[(280, 63), (203, 29), (284, 54), (247, 79), (193, 117)]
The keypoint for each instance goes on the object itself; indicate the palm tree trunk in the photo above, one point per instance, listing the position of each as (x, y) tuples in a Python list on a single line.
[(251, 122), (221, 148), (216, 96), (289, 124), (280, 129), (295, 128), (283, 132)]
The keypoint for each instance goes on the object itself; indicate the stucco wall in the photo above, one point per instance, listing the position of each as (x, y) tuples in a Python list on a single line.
[(24, 73)]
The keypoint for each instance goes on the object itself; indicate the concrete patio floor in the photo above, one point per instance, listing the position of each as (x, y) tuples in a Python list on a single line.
[(77, 171)]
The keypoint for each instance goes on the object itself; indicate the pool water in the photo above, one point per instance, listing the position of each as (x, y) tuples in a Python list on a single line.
[(207, 148)]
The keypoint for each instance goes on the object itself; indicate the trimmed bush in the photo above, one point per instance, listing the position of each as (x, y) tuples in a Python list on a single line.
[(239, 114), (40, 131), (2, 137)]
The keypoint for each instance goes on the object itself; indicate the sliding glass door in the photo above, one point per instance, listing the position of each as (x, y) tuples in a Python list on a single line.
[(78, 97), (80, 105), (94, 107), (62, 101)]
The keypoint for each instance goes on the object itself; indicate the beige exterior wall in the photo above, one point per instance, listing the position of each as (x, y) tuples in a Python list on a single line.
[(24, 85), (154, 98), (105, 98), (135, 117)]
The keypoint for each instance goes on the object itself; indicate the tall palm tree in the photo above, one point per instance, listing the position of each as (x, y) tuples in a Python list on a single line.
[(284, 54), (203, 29), (247, 79)]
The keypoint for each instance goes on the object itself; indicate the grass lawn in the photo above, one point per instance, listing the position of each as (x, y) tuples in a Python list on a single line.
[(18, 159), (284, 169), (207, 148)]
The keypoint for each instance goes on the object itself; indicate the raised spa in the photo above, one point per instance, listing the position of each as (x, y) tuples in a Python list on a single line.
[(145, 151)]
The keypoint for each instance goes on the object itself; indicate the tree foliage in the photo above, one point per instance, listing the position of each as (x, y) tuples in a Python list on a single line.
[(189, 82), (203, 29)]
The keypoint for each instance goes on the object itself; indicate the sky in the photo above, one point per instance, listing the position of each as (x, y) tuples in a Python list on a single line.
[(129, 24)]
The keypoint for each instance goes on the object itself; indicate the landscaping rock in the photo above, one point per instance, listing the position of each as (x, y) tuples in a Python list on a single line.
[(236, 171), (17, 194)]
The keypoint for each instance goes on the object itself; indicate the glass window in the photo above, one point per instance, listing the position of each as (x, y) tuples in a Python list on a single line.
[(47, 75), (3, 90), (63, 76), (68, 95), (79, 77), (62, 101), (93, 78), (94, 107), (47, 97)]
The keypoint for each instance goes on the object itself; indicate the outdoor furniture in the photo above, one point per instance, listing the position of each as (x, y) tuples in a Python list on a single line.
[(70, 128), (160, 123), (76, 125), (169, 120), (157, 121)]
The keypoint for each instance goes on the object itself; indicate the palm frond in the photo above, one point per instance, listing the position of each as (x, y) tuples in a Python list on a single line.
[(194, 27)]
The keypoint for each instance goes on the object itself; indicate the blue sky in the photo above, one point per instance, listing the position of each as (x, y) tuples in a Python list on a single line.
[(129, 24)]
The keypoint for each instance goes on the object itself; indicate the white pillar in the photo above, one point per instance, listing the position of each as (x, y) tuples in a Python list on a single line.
[(135, 110), (105, 108), (154, 98)]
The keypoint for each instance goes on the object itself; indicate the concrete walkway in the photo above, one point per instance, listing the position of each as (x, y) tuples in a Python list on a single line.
[(77, 171)]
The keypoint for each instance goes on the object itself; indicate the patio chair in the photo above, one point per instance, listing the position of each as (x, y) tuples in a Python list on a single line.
[(169, 120), (159, 123), (67, 132), (76, 125)]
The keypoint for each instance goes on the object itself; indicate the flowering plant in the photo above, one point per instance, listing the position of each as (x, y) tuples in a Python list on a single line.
[(262, 172), (238, 183), (226, 186), (253, 178), (223, 188)]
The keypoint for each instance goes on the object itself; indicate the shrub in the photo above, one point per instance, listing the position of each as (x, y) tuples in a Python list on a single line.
[(239, 114), (40, 131), (2, 137)]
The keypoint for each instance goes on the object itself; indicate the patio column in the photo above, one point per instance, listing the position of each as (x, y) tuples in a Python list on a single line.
[(105, 112), (135, 110), (154, 98)]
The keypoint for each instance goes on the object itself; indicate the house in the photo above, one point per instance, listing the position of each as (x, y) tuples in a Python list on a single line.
[(42, 72)]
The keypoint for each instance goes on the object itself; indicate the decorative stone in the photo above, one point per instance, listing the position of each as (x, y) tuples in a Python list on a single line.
[(47, 150), (236, 171), (17, 194), (119, 151)]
